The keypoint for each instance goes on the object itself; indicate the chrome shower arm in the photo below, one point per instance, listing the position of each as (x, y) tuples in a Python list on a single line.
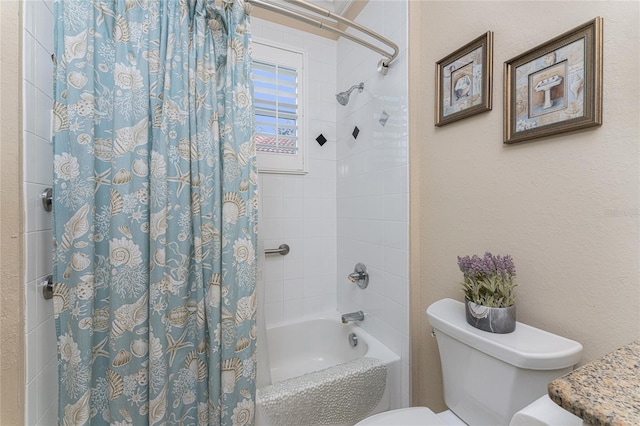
[(356, 86)]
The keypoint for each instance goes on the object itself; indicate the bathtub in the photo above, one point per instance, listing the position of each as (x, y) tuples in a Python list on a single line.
[(318, 343)]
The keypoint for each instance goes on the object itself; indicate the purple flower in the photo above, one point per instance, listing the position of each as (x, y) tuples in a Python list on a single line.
[(476, 267)]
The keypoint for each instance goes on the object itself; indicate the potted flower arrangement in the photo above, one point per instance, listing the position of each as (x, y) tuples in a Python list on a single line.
[(488, 290)]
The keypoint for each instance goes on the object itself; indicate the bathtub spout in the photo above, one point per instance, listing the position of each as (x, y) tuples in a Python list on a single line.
[(353, 316)]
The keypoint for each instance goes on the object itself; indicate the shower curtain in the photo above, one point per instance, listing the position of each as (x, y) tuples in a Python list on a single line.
[(155, 212)]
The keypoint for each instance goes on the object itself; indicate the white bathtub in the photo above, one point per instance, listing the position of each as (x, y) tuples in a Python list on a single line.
[(313, 344)]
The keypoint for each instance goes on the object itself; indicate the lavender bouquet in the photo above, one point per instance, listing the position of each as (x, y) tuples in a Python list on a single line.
[(489, 280)]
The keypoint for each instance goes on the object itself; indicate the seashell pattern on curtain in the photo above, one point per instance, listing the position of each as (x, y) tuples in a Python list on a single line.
[(155, 212)]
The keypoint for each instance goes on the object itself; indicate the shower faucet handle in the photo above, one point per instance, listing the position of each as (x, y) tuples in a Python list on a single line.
[(359, 276)]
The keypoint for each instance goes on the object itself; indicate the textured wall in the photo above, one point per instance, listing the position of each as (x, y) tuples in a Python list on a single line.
[(11, 235), (565, 207)]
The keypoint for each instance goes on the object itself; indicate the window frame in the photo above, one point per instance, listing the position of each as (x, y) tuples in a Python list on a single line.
[(265, 51)]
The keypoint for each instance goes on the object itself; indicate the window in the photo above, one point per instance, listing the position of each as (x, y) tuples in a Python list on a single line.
[(279, 108)]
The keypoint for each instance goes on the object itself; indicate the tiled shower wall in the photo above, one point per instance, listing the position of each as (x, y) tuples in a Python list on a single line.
[(300, 210), (41, 366), (373, 185), (352, 206)]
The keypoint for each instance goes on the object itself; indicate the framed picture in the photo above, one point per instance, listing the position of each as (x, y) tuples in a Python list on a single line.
[(463, 81), (555, 87)]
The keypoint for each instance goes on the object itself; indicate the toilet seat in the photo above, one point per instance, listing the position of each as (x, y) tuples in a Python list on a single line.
[(414, 416)]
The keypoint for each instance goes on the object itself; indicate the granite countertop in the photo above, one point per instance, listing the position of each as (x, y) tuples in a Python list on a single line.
[(605, 391)]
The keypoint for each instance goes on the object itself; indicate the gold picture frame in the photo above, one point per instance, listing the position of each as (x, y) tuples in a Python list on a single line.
[(463, 81), (555, 87)]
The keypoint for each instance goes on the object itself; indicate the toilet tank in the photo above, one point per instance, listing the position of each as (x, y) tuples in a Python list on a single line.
[(488, 377)]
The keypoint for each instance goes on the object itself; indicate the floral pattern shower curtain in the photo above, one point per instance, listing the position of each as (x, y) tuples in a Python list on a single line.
[(154, 212)]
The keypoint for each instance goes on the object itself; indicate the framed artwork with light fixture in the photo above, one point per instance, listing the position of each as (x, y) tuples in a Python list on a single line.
[(463, 81), (555, 87)]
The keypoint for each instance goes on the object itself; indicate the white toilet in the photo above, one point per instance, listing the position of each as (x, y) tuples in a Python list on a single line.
[(491, 379)]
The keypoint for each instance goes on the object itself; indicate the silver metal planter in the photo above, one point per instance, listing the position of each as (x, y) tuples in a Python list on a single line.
[(493, 320)]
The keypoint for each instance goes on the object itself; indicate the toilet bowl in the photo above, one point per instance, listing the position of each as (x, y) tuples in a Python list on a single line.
[(414, 416), (491, 379), (541, 412)]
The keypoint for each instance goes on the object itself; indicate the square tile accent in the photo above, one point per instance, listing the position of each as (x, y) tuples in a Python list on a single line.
[(383, 118), (321, 139), (355, 132)]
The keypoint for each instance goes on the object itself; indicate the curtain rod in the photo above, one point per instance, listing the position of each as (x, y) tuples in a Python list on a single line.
[(383, 65)]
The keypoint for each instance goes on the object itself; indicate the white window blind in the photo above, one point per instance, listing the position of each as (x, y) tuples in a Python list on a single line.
[(279, 108), (276, 103)]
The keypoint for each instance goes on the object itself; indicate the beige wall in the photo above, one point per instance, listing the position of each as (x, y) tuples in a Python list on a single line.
[(565, 207), (11, 289)]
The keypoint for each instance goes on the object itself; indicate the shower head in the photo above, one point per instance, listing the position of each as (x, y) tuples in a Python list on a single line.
[(343, 97)]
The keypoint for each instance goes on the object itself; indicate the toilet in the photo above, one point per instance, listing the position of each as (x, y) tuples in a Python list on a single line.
[(491, 379)]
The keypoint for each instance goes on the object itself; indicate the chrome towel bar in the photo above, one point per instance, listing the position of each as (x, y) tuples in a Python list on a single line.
[(283, 250)]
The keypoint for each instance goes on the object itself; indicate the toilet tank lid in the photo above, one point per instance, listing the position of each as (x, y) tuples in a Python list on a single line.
[(526, 347)]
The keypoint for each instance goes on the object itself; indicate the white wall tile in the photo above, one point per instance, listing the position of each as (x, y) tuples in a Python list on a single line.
[(43, 70), (312, 188), (396, 261), (312, 227), (47, 393), (271, 228), (44, 244), (43, 106), (372, 185), (43, 25), (293, 269), (312, 305), (396, 234), (273, 268), (31, 361), (28, 56), (272, 185), (273, 291), (329, 226), (296, 208), (313, 284), (293, 186), (44, 175), (42, 350), (272, 207), (396, 207), (293, 208), (29, 98), (41, 364), (44, 307), (293, 232), (273, 312), (313, 207), (50, 416), (29, 16), (49, 4), (293, 309), (31, 403), (293, 289), (33, 293)]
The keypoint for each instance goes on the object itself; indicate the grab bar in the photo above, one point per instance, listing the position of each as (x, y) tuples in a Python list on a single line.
[(283, 250)]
